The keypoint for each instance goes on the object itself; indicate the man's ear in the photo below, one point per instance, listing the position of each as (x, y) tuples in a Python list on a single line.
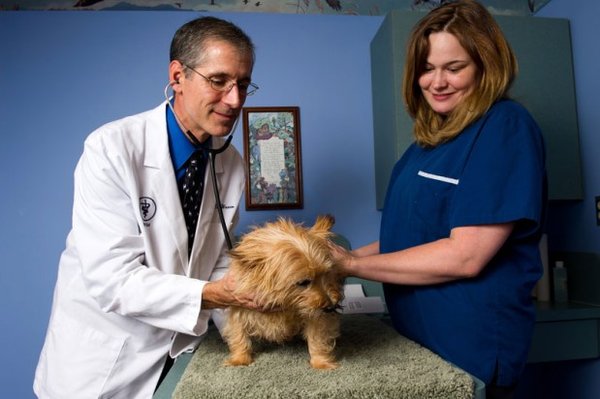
[(176, 74)]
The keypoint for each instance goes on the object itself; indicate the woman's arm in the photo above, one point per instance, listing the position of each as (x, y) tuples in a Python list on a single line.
[(369, 249), (464, 254)]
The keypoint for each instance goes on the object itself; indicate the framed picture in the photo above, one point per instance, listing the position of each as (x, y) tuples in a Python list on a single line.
[(273, 159)]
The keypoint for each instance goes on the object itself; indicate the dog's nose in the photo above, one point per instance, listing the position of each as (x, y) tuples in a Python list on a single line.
[(332, 308)]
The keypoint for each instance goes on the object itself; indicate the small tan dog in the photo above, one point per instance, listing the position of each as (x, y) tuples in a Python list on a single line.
[(291, 270)]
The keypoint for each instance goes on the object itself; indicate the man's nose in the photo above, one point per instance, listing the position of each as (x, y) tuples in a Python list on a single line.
[(233, 97)]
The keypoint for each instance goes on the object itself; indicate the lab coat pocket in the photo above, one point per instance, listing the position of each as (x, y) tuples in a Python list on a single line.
[(79, 359)]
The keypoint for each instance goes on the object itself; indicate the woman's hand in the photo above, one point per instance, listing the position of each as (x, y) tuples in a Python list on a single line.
[(342, 257)]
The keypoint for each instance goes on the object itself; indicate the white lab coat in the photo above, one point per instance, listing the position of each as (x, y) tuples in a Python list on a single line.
[(126, 293)]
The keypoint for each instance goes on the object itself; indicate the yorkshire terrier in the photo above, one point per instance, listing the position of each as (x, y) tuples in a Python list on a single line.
[(290, 269)]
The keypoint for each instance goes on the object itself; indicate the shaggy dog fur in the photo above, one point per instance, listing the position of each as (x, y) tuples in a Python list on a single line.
[(291, 270)]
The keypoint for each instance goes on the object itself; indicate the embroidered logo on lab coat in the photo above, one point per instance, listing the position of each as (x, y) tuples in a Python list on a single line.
[(147, 209)]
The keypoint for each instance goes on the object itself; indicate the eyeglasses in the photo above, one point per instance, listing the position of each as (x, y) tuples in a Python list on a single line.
[(225, 85)]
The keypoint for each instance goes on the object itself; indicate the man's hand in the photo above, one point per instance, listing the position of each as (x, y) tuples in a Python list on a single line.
[(222, 293)]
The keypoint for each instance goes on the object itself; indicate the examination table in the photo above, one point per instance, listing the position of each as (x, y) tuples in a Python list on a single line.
[(375, 362)]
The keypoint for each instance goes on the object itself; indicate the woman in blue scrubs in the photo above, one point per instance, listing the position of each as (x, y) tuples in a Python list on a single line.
[(458, 250)]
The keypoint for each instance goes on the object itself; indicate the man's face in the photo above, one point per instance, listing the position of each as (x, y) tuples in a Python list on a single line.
[(201, 108)]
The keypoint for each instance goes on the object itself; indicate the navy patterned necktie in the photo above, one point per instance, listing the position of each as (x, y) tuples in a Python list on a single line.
[(191, 193)]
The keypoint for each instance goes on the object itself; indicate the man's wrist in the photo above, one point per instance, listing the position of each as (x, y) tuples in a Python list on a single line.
[(211, 296)]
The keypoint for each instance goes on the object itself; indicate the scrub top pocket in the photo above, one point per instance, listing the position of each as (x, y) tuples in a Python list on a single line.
[(431, 211)]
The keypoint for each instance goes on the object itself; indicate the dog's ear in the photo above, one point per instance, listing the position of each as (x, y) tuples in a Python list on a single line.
[(323, 224)]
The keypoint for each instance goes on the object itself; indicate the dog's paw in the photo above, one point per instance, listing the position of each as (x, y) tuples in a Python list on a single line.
[(240, 360), (323, 364)]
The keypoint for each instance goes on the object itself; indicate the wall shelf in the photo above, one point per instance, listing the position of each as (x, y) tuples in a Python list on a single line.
[(565, 332)]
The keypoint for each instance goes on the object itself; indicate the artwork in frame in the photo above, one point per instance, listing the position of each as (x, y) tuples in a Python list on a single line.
[(273, 158)]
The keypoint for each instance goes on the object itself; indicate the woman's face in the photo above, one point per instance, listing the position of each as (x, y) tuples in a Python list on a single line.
[(449, 75)]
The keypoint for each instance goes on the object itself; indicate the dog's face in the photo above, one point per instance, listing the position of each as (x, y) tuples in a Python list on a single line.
[(289, 266)]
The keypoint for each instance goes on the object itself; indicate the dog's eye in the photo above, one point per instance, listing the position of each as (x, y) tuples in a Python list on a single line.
[(305, 282)]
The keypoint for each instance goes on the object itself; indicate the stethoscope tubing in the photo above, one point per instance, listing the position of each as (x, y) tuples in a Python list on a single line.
[(211, 155)]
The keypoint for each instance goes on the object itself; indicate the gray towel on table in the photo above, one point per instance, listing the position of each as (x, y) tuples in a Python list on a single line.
[(375, 362)]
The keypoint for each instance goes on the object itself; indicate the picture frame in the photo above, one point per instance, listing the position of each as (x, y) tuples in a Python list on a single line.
[(272, 157)]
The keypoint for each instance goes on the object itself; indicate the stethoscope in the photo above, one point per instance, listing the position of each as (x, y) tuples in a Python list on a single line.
[(212, 153)]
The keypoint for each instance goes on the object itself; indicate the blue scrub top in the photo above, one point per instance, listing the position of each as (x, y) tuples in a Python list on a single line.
[(493, 172)]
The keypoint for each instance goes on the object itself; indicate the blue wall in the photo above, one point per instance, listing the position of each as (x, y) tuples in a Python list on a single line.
[(62, 74), (572, 225)]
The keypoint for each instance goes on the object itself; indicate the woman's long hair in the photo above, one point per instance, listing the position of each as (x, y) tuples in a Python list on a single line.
[(479, 34)]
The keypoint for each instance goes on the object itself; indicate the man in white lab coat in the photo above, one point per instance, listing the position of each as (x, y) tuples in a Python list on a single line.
[(128, 294)]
